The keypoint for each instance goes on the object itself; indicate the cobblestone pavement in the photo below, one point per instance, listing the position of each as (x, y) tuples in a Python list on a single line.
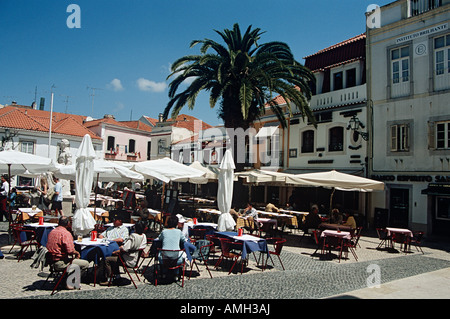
[(306, 276)]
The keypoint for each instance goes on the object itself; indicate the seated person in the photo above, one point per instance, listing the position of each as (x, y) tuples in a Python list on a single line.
[(271, 208), (172, 238), (350, 221), (250, 213), (129, 252), (312, 220), (117, 232), (61, 246), (120, 211), (336, 216)]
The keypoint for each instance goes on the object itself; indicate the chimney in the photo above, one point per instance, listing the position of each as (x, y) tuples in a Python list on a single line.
[(160, 117)]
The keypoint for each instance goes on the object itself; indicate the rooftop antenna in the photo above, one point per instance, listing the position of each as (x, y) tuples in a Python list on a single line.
[(67, 101), (93, 95)]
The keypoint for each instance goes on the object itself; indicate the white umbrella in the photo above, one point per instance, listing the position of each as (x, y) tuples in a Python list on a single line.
[(104, 171), (166, 170), (336, 179), (83, 222), (225, 192), (20, 163), (263, 176), (210, 175)]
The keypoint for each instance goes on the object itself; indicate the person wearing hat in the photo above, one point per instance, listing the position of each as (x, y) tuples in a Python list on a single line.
[(117, 232)]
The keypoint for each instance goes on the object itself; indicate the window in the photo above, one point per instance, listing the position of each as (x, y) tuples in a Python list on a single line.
[(162, 146), (442, 207), (443, 135), (400, 137), (111, 143), (350, 78), (131, 146), (336, 139), (27, 147), (338, 81), (308, 141), (400, 65), (442, 54), (420, 6)]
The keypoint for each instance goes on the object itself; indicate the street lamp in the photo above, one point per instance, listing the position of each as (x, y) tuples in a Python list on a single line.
[(355, 125)]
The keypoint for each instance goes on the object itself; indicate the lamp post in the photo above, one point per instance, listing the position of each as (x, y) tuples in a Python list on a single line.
[(355, 125)]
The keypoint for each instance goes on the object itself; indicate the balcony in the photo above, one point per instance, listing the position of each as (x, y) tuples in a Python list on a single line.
[(356, 94), (417, 7)]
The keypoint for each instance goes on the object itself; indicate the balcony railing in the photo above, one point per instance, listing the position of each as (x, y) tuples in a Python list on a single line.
[(345, 96), (421, 6)]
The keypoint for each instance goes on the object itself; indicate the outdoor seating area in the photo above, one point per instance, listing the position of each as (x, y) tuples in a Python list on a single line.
[(212, 241)]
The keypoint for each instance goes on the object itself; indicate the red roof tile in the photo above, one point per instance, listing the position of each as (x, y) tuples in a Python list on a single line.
[(348, 50), (23, 118)]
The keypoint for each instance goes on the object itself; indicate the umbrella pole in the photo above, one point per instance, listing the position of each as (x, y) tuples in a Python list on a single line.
[(331, 200), (95, 197), (9, 207)]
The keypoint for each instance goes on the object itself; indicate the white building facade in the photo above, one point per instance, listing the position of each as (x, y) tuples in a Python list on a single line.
[(408, 76)]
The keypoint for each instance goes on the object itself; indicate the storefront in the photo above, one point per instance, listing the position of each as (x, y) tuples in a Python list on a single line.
[(438, 208)]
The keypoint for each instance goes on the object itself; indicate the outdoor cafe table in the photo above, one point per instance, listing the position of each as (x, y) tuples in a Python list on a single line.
[(41, 231), (283, 219), (28, 212), (340, 235), (207, 214), (250, 243), (98, 213), (340, 227), (95, 250), (403, 231), (210, 227)]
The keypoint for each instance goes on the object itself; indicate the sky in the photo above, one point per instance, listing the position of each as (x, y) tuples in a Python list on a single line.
[(114, 56)]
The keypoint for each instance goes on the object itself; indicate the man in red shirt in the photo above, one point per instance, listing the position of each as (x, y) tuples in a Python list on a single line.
[(60, 245)]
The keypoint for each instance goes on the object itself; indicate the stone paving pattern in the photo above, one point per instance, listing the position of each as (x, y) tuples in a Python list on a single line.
[(305, 276)]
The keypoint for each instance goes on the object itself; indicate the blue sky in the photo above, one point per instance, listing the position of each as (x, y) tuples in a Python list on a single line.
[(123, 50)]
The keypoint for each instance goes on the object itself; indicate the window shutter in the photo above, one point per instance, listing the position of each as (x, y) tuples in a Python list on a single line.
[(393, 137), (431, 136), (406, 128)]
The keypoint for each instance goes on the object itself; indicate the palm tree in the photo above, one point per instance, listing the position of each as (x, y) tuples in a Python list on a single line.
[(243, 77)]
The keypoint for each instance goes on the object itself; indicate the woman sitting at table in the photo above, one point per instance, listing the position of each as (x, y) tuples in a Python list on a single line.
[(350, 221), (172, 238)]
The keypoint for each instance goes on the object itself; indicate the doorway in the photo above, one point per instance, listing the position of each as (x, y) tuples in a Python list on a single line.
[(399, 207)]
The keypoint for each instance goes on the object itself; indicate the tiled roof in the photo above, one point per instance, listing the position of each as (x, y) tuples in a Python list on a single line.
[(107, 120), (138, 125), (342, 52), (188, 122), (23, 118)]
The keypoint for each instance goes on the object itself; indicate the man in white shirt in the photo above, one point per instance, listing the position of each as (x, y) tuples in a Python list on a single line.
[(4, 197), (57, 198)]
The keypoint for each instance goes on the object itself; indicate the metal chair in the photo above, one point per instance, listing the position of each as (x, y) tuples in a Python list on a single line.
[(57, 275), (416, 240), (170, 260), (19, 234), (231, 251), (201, 253), (277, 244)]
